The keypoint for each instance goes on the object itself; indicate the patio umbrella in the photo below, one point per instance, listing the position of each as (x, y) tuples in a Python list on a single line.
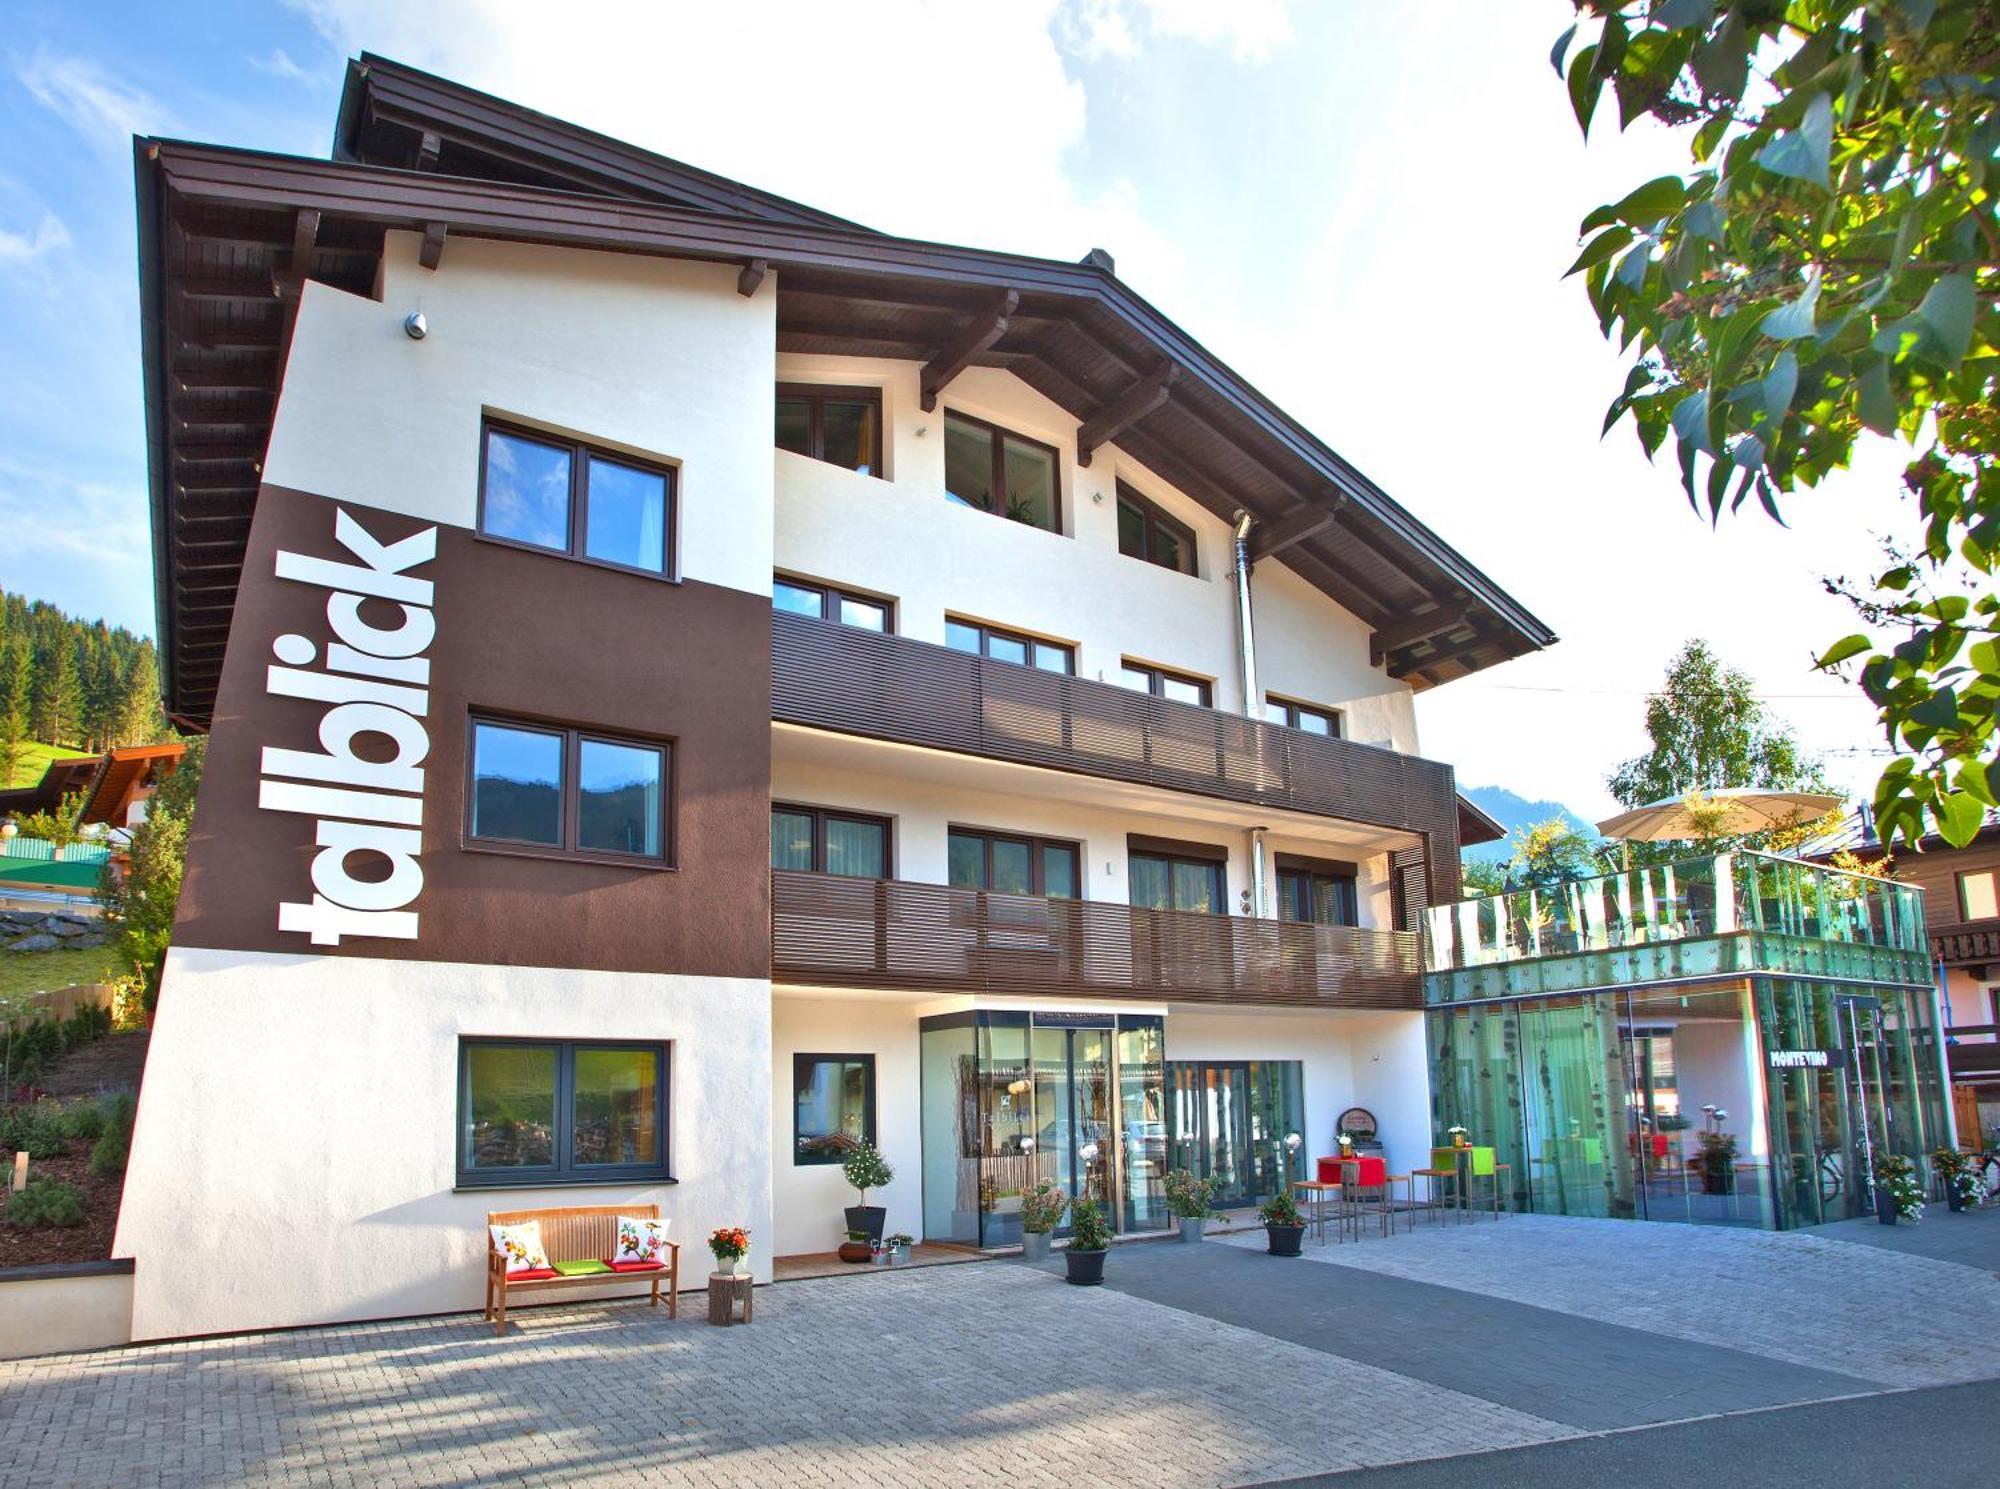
[(1743, 810)]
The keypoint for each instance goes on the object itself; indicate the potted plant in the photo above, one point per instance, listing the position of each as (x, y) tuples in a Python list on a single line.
[(1458, 1136), (898, 1247), (858, 1247), (1898, 1195), (1284, 1226), (1089, 1239), (1187, 1198), (1948, 1163), (867, 1169), (731, 1244), (1041, 1212)]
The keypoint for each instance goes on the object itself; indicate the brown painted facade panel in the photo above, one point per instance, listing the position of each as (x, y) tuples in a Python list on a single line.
[(528, 635)]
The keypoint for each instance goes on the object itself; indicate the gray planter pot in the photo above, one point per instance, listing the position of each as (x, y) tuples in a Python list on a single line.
[(1034, 1245), (1191, 1227)]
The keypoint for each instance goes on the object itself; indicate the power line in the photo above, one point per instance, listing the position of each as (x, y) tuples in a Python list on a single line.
[(1517, 687)]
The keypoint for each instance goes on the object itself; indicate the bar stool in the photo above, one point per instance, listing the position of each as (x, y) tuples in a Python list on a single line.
[(1360, 1198), (1434, 1188)]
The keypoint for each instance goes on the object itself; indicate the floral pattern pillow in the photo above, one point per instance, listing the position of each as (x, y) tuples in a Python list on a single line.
[(640, 1240), (521, 1245)]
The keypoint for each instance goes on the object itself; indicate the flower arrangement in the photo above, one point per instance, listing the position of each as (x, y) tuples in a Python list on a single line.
[(901, 1241), (1346, 1141), (1896, 1176), (1042, 1207), (1281, 1209), (730, 1243), (1964, 1183), (1188, 1197), (1458, 1135), (1087, 1230)]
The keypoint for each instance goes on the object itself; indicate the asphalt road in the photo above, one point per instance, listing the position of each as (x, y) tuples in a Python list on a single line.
[(1941, 1437)]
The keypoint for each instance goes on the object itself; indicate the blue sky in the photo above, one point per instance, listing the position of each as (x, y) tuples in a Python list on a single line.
[(1364, 208)]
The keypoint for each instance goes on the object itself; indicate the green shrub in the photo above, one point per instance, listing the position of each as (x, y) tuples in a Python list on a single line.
[(107, 1159), (1088, 1230), (84, 1122), (867, 1169), (34, 1128), (46, 1202)]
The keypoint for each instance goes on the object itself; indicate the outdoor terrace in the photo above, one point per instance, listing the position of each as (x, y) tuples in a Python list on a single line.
[(1729, 914), (831, 930)]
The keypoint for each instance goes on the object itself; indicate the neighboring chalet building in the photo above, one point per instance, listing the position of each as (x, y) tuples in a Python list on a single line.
[(694, 684), (1962, 903)]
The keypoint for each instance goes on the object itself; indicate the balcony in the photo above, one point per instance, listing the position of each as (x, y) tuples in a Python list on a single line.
[(1967, 944), (1973, 1052), (1732, 914), (827, 676), (888, 933)]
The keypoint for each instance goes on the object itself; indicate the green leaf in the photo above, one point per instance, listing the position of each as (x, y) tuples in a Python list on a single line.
[(1691, 422), (1959, 817), (1584, 86), (1679, 15), (1947, 310), (1661, 197), (1841, 650), (1722, 67), (1980, 781), (1703, 220), (1877, 403), (1561, 46), (1780, 383), (1939, 711), (1631, 270), (1917, 14), (1790, 322), (1803, 153), (1600, 248)]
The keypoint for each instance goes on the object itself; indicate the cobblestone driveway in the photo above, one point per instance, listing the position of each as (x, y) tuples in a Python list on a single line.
[(994, 1374)]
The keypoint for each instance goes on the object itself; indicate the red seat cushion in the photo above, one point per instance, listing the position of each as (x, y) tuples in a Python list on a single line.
[(1329, 1170), (635, 1266), (533, 1274)]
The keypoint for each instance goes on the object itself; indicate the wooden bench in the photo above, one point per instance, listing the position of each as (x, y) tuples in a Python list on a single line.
[(573, 1234)]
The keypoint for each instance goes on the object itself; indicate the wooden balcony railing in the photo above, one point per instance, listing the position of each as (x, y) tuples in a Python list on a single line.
[(888, 933), (1974, 941), (839, 677), (1973, 1051)]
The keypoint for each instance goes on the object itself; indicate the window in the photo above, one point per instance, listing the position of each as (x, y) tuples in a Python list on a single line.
[(842, 426), (1006, 474), (1146, 532), (1316, 891), (563, 790), (556, 1112), (833, 1106), (1008, 864), (1979, 894), (824, 602), (1177, 876), (565, 497), (820, 841), (1179, 686), (1302, 716), (1008, 646)]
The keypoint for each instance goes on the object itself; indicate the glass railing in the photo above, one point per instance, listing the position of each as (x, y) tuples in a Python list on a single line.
[(1722, 895)]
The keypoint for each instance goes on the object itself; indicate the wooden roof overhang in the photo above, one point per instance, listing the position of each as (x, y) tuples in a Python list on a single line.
[(228, 237)]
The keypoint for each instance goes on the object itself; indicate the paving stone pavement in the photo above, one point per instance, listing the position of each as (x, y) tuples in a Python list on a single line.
[(971, 1375), (1880, 1316)]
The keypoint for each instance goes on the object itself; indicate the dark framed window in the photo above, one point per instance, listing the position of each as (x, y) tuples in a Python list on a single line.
[(1000, 472), (1146, 532), (833, 1106), (842, 426), (554, 789), (1305, 717), (1167, 875), (826, 602), (550, 1111), (822, 840), (563, 496), (1317, 891), (1182, 687), (1009, 863), (1979, 894), (1008, 646)]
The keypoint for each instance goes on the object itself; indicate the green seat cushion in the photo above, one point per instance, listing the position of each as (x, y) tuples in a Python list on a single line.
[(582, 1269)]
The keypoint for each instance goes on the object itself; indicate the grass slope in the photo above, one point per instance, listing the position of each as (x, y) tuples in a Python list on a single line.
[(33, 760), (44, 971)]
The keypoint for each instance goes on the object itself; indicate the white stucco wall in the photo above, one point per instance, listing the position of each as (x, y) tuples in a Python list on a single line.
[(901, 538), (658, 357), (807, 1200), (54, 1315), (922, 813), (1376, 1060), (293, 1161)]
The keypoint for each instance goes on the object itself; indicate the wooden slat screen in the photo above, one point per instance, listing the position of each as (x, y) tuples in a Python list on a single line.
[(830, 676), (831, 930), (1978, 941)]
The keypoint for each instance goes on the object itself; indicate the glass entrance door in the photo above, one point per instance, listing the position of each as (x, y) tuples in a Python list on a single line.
[(1868, 1123), (1073, 1111)]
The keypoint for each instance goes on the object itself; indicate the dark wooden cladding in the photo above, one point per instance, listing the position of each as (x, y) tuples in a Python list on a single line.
[(1975, 1052), (829, 930), (1972, 943), (842, 678)]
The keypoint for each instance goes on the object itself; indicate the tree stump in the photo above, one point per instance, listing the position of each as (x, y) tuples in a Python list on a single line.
[(725, 1291)]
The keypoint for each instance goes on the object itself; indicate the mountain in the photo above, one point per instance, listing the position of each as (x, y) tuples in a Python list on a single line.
[(1514, 811)]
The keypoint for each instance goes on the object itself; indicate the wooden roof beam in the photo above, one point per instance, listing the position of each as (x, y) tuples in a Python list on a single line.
[(752, 277), (1481, 637), (1301, 522), (955, 357), (1126, 410), (1417, 630), (431, 253)]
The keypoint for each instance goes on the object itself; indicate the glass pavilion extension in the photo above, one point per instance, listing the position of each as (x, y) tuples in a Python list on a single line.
[(1728, 1039)]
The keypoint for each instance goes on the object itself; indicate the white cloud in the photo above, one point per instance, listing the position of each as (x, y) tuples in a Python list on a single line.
[(104, 110), (279, 64), (24, 248), (1250, 30)]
